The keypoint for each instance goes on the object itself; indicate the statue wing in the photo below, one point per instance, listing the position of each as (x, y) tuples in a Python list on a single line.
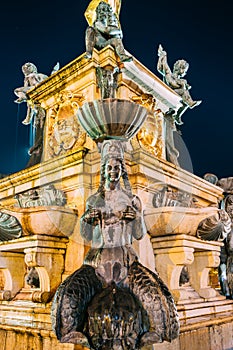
[(55, 68), (215, 227)]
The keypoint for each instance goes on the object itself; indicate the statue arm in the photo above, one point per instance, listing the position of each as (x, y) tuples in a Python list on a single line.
[(102, 28), (165, 70), (139, 226), (89, 220), (184, 84), (26, 82), (115, 31), (86, 229), (39, 77), (162, 64), (110, 30)]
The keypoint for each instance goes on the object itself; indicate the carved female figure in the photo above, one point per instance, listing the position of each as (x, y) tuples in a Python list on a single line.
[(84, 308), (112, 219)]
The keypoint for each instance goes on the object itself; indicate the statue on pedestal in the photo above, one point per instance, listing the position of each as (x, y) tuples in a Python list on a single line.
[(105, 31)]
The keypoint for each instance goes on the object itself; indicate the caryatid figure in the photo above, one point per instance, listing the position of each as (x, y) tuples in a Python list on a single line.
[(113, 301)]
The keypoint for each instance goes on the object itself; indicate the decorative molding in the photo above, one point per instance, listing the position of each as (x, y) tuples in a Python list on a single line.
[(41, 196)]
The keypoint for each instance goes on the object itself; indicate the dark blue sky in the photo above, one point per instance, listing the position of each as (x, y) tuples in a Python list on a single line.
[(200, 32)]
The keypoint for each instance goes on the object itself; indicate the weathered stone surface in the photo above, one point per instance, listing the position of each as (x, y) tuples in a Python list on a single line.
[(195, 340), (227, 339)]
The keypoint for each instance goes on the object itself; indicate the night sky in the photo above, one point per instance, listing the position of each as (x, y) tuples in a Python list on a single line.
[(47, 32)]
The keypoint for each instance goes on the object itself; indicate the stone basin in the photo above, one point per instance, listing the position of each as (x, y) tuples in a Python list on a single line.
[(176, 220), (45, 220), (111, 118)]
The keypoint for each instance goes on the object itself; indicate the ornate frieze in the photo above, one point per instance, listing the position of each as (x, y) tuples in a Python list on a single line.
[(170, 197), (41, 196)]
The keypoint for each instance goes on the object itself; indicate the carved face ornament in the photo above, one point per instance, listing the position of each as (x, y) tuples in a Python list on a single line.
[(113, 170)]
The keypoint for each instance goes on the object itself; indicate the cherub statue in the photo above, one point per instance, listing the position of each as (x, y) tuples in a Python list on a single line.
[(32, 78), (113, 301), (175, 79), (105, 31)]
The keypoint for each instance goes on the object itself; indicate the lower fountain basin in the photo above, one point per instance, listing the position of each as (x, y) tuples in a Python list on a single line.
[(176, 220), (45, 220)]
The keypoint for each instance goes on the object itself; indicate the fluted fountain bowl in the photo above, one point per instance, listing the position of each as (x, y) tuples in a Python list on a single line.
[(111, 118)]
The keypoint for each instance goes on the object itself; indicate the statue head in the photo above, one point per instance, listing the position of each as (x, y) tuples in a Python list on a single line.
[(113, 170), (29, 68), (180, 68), (112, 155), (103, 7), (112, 164), (212, 178)]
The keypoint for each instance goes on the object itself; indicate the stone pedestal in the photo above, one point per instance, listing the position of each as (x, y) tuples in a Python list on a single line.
[(174, 252), (42, 253), (199, 272), (12, 269)]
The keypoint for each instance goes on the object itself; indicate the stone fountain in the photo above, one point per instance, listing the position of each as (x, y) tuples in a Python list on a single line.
[(104, 218), (113, 301)]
